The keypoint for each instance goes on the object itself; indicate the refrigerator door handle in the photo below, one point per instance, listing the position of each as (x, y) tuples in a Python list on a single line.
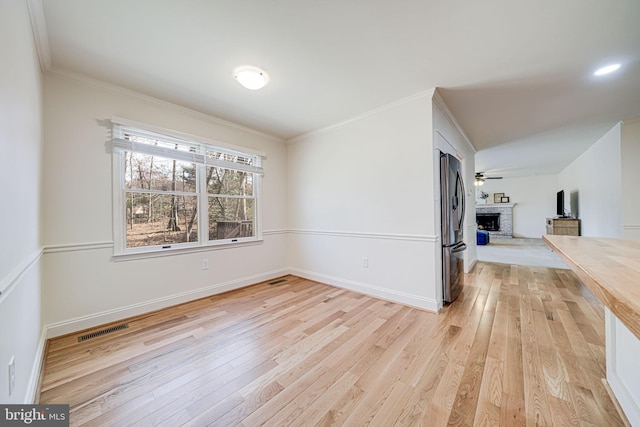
[(461, 201), (458, 247), (464, 204)]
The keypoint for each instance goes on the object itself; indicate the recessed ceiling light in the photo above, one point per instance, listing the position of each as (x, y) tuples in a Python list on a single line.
[(606, 70), (251, 77)]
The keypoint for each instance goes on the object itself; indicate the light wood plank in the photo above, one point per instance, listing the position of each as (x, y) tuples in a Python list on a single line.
[(521, 346)]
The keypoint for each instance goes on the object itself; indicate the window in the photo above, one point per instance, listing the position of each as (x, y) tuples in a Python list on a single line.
[(176, 192)]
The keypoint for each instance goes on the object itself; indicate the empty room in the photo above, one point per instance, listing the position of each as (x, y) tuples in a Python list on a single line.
[(319, 213)]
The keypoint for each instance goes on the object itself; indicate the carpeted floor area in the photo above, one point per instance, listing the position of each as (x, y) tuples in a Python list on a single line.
[(520, 251)]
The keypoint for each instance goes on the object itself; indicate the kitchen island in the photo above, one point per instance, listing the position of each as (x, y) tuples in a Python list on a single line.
[(610, 268)]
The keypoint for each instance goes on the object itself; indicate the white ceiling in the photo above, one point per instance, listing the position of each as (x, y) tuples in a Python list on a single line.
[(517, 75)]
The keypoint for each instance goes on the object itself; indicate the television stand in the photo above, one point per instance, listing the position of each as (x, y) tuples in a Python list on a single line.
[(563, 226)]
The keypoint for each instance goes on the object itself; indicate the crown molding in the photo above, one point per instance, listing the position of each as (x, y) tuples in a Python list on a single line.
[(40, 35), (70, 75), (423, 94), (439, 101)]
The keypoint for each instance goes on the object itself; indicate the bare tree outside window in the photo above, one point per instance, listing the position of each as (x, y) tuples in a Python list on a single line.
[(162, 192), (161, 201), (231, 204)]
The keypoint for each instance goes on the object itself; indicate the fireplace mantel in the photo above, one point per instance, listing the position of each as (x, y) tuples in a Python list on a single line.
[(506, 217), (495, 205)]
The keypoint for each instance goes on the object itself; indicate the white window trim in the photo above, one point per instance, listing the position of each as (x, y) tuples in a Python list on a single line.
[(185, 136), (122, 253)]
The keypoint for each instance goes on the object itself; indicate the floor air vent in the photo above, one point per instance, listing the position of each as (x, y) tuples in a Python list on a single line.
[(275, 282), (102, 332)]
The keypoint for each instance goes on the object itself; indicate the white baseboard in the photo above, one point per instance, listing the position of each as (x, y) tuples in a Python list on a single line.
[(367, 289), (32, 387), (108, 316), (625, 400), (469, 268)]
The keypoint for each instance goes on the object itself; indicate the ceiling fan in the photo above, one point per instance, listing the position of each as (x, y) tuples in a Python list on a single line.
[(480, 178)]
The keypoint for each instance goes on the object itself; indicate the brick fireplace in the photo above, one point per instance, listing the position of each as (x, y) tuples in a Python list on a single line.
[(497, 218)]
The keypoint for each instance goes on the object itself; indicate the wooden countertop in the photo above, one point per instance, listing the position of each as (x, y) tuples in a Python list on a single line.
[(610, 268)]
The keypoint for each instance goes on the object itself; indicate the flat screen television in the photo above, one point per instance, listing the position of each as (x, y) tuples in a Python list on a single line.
[(560, 203)]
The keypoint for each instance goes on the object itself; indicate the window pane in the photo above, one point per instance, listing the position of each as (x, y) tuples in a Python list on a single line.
[(230, 218), (147, 172), (229, 182), (158, 219)]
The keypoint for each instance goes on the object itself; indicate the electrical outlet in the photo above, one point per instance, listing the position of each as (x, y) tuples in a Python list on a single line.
[(365, 262), (12, 375), (205, 264)]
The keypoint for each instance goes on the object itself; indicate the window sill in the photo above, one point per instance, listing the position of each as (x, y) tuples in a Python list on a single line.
[(182, 250)]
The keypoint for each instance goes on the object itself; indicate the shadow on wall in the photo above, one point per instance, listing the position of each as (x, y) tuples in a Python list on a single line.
[(574, 204)]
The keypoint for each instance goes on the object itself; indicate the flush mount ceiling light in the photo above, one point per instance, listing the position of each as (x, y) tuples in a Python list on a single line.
[(606, 70), (251, 77)]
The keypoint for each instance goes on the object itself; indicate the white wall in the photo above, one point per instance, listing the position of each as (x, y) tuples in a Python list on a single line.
[(534, 198), (20, 145), (630, 179), (596, 177), (365, 189), (84, 286)]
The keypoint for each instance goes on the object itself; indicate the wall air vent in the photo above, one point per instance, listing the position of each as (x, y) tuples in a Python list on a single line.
[(102, 332)]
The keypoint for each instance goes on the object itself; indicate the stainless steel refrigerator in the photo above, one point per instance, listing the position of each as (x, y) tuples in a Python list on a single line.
[(453, 204)]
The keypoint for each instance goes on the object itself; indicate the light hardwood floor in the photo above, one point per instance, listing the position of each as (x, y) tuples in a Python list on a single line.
[(521, 346)]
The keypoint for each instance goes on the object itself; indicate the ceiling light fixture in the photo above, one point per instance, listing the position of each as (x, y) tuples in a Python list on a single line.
[(251, 77), (606, 70)]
